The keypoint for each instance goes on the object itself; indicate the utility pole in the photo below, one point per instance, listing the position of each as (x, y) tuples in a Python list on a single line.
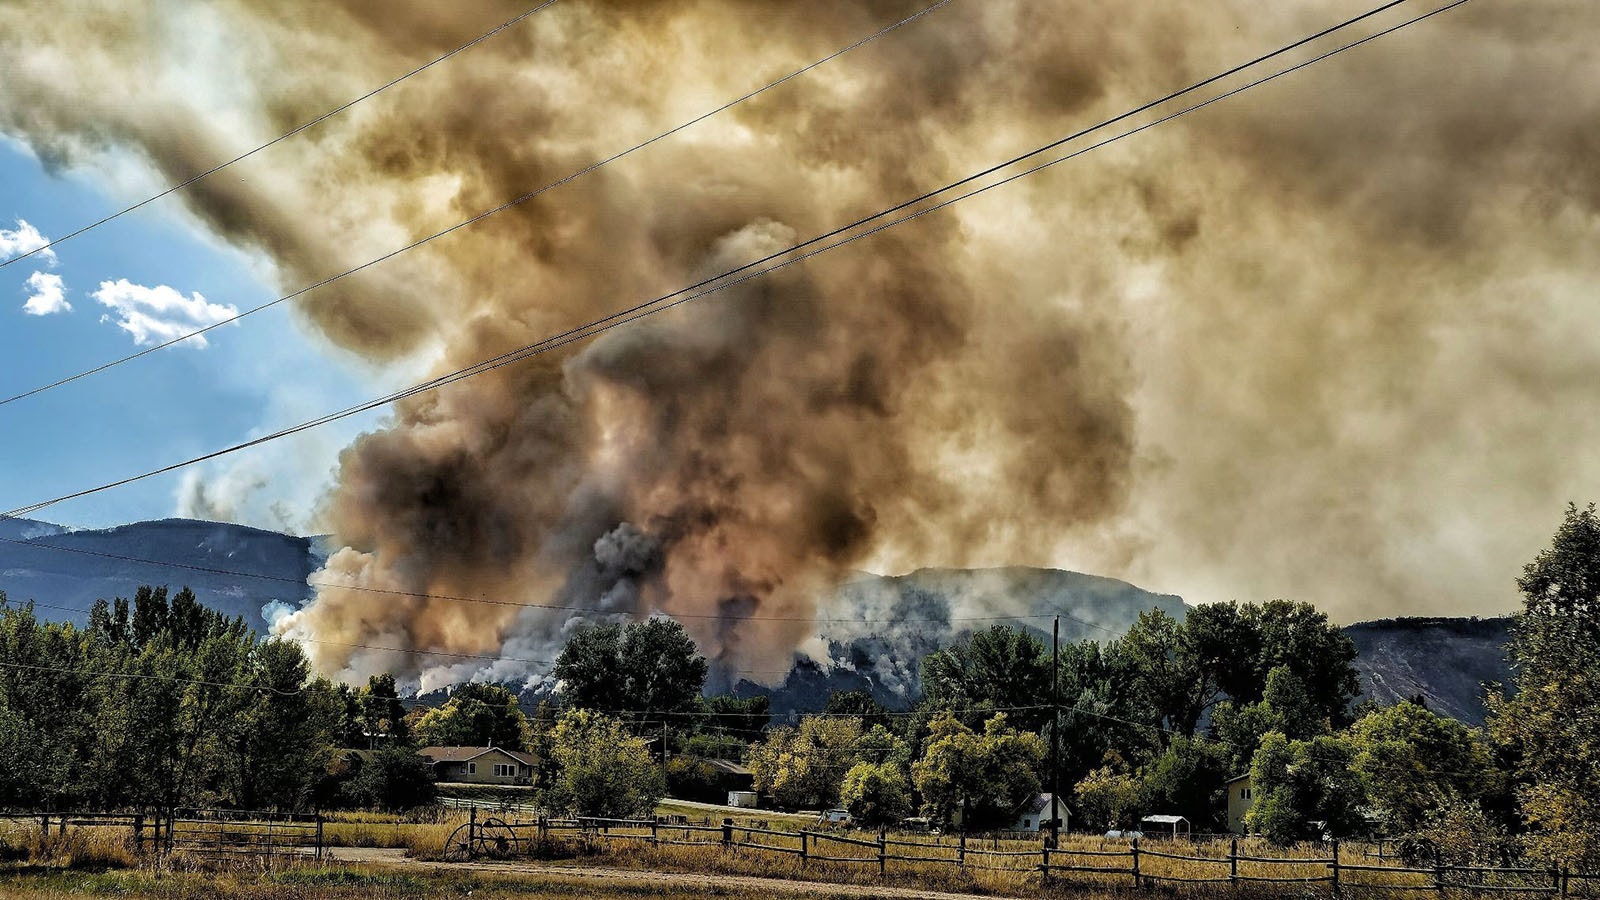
[(1055, 735)]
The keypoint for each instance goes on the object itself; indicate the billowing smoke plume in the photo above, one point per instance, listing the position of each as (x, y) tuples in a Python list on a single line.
[(1331, 340)]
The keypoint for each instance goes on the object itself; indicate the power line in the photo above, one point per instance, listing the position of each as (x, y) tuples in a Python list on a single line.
[(280, 138), (35, 544), (476, 218), (666, 302)]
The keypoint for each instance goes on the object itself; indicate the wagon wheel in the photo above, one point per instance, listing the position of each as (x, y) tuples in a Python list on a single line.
[(497, 840), (458, 846)]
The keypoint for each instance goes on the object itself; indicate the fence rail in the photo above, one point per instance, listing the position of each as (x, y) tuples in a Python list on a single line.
[(495, 837)]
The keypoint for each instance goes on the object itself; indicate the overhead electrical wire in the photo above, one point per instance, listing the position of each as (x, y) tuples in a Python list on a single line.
[(475, 218), (48, 245), (717, 283)]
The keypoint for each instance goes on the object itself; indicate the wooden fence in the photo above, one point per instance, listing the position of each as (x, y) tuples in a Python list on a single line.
[(241, 833), (201, 832), (1138, 864)]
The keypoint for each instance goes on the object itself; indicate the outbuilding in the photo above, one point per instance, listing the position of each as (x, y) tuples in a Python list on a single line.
[(1165, 826)]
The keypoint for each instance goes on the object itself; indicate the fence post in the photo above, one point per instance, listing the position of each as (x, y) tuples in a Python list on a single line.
[(1561, 882), (1044, 867), (1233, 863), (961, 854), (727, 834), (138, 834), (319, 834), (655, 840), (883, 858), (1336, 867), (804, 840), (1134, 850)]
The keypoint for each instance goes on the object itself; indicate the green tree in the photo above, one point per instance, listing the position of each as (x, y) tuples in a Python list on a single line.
[(1550, 729), (876, 793), (476, 715), (1305, 789), (1226, 652), (984, 779), (395, 778), (1286, 706), (860, 704), (651, 665), (1414, 762), (1189, 779), (804, 767), (995, 669), (1107, 798), (745, 719), (601, 769)]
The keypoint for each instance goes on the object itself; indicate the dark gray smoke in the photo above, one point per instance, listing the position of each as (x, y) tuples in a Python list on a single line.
[(1332, 339)]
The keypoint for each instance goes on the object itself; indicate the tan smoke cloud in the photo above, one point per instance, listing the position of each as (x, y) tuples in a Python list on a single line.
[(1329, 340)]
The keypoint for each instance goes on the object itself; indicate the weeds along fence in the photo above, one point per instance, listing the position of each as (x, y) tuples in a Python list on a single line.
[(243, 833), (1137, 864), (196, 832)]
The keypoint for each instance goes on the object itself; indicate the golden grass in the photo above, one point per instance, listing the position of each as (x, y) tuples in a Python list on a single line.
[(343, 883)]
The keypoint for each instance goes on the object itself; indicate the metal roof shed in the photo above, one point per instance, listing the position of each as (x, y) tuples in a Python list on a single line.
[(1166, 826)]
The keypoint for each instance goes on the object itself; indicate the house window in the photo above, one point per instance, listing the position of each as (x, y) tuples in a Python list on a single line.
[(505, 771), (472, 768)]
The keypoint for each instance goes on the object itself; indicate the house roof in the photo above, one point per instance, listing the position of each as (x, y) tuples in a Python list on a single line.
[(467, 754), (1037, 804), (1244, 777), (1164, 820)]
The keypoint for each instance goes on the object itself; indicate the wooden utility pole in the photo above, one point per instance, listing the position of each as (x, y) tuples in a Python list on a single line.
[(1055, 734)]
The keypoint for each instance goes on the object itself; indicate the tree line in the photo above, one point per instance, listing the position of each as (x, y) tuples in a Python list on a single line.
[(161, 702)]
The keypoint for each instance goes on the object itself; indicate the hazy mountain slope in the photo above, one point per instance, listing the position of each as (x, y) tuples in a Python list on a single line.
[(1445, 660), (876, 628), (34, 570), (872, 634)]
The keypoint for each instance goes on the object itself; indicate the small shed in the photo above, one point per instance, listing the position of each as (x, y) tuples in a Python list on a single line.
[(1165, 826), (742, 799)]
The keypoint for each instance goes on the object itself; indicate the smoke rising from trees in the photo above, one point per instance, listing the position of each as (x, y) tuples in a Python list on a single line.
[(1331, 339)]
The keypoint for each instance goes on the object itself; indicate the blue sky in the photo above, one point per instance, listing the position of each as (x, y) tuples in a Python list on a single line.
[(257, 375)]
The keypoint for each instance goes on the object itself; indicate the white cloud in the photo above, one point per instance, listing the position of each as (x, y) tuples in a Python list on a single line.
[(47, 294), (24, 238), (155, 315)]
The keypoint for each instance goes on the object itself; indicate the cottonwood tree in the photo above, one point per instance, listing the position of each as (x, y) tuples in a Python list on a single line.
[(647, 666), (985, 778), (804, 767), (476, 715), (1551, 727), (1414, 762), (1306, 789), (601, 769), (998, 668)]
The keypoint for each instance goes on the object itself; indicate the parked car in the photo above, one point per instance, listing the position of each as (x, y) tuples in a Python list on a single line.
[(1125, 835), (834, 817)]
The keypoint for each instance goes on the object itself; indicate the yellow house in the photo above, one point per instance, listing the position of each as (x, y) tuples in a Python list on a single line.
[(1241, 796), (480, 765)]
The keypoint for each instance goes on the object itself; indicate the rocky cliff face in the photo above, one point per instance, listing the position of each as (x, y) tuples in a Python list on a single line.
[(1446, 661)]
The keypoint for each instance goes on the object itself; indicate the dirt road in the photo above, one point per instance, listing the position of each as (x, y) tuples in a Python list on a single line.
[(601, 874)]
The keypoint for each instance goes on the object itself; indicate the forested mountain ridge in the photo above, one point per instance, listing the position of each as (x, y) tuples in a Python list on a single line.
[(1443, 660)]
